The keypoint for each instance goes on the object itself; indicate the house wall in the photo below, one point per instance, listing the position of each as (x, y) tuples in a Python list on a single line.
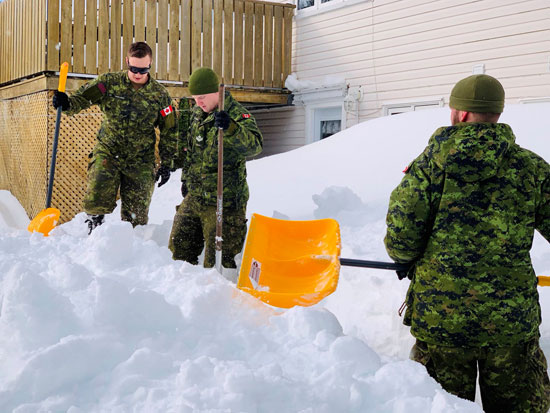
[(405, 51), (282, 129)]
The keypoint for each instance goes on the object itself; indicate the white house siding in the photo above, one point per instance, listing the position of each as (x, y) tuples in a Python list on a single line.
[(405, 51)]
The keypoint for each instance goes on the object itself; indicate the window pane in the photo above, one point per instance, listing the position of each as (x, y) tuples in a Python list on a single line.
[(325, 1), (302, 4), (329, 127)]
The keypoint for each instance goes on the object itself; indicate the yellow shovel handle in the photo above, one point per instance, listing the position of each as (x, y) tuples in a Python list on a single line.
[(63, 76), (544, 281)]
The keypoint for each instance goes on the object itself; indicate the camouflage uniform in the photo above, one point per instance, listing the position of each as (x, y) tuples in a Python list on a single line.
[(465, 214), (194, 223), (124, 155)]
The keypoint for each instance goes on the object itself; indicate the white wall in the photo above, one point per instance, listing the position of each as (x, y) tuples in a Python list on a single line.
[(400, 51)]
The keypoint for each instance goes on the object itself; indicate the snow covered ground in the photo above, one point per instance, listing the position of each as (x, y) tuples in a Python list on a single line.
[(110, 323)]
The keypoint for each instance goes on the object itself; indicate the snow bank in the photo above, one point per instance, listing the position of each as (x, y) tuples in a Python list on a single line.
[(110, 323)]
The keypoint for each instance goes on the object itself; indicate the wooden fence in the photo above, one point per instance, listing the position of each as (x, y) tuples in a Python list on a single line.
[(247, 42)]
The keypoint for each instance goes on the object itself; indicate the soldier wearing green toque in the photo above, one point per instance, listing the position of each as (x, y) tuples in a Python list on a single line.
[(464, 217), (194, 225), (123, 159)]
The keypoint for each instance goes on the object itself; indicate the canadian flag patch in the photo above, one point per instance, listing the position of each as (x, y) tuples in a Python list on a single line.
[(246, 115), (166, 111)]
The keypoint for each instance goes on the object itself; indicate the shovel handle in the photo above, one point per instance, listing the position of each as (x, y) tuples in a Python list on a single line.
[(63, 71), (543, 281), (350, 262), (219, 198)]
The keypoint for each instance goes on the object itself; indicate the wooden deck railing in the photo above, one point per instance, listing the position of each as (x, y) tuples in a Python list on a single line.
[(247, 42)]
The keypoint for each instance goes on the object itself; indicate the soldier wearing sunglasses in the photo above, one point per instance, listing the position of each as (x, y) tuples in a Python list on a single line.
[(133, 105)]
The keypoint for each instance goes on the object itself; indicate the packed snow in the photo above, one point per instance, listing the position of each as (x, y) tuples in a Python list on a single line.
[(110, 323)]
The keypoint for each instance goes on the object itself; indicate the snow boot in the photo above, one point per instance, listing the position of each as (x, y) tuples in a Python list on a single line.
[(94, 221)]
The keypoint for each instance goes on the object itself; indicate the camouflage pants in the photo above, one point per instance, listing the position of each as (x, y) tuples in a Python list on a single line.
[(511, 379), (106, 177), (195, 227)]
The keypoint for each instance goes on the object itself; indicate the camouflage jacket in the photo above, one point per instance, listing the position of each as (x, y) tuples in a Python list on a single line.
[(465, 214), (198, 152), (130, 117)]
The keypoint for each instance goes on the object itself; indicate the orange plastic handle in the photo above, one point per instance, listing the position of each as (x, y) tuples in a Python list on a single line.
[(63, 76), (544, 281)]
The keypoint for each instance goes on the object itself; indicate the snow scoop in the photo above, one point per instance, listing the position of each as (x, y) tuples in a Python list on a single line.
[(219, 200), (288, 263), (47, 219)]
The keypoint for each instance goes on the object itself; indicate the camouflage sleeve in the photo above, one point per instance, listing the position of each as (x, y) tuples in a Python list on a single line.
[(87, 95), (243, 135), (542, 217), (409, 214), (184, 118), (168, 128)]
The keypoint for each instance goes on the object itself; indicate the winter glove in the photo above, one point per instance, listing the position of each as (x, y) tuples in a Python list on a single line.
[(406, 273), (222, 119), (164, 174), (184, 190), (60, 99)]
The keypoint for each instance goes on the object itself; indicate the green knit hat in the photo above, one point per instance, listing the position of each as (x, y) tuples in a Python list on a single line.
[(203, 81), (479, 94)]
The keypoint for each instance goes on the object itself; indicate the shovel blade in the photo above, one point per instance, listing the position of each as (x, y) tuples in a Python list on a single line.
[(45, 221), (289, 263)]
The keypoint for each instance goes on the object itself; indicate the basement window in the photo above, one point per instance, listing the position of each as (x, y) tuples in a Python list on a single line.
[(326, 122), (395, 109), (309, 7)]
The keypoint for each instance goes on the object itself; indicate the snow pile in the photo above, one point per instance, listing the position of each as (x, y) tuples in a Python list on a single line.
[(293, 84), (110, 323)]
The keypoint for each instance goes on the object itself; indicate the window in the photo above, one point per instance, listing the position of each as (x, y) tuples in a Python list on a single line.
[(326, 122), (330, 127), (304, 4), (306, 7), (395, 109), (324, 110)]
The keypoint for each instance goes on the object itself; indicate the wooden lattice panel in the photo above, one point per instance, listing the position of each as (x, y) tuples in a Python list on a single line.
[(24, 124), (28, 125)]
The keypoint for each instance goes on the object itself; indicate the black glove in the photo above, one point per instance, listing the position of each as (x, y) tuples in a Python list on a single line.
[(405, 272), (184, 190), (164, 174), (222, 119), (61, 99)]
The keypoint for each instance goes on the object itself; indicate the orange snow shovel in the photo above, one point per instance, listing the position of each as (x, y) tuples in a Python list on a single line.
[(47, 219), (289, 263)]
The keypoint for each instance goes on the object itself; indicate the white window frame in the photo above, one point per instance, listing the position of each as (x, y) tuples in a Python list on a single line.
[(395, 108), (320, 114), (311, 126), (319, 7), (321, 98)]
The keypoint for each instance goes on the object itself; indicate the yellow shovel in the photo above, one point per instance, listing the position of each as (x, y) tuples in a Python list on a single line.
[(47, 219), (289, 263)]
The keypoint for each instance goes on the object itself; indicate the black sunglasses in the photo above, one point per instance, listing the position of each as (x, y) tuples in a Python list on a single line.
[(140, 70)]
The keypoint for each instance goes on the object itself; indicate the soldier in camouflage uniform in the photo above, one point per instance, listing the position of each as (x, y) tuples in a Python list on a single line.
[(195, 220), (133, 105), (464, 217)]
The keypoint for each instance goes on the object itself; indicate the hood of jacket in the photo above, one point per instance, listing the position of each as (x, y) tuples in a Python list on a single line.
[(471, 152)]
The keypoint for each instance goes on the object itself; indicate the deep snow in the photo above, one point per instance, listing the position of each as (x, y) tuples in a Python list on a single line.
[(110, 323)]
